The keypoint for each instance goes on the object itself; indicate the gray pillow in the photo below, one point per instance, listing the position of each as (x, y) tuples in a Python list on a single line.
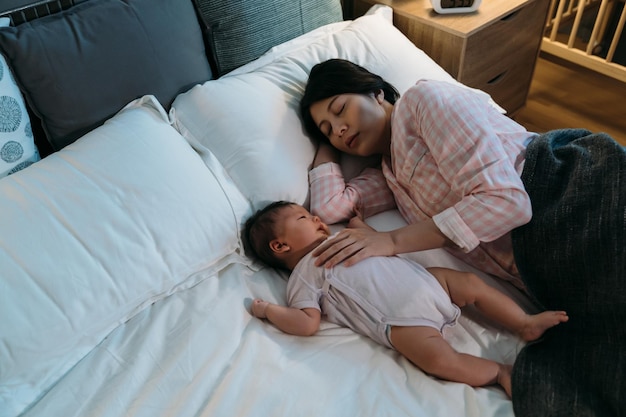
[(78, 67), (239, 31)]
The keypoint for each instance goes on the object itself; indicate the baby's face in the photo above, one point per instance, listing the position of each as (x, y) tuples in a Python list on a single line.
[(300, 229)]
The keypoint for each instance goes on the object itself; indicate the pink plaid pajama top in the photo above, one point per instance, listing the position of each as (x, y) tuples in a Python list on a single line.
[(455, 159)]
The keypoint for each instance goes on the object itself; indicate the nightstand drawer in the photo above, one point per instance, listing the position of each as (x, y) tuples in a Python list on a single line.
[(512, 39), (509, 87), (500, 58)]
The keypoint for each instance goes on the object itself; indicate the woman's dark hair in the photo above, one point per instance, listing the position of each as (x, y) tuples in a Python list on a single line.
[(259, 231), (338, 76)]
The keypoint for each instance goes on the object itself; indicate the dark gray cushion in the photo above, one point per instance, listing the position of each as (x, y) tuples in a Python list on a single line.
[(239, 31), (79, 67)]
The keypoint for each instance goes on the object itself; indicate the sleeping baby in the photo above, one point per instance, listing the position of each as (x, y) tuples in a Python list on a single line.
[(393, 300)]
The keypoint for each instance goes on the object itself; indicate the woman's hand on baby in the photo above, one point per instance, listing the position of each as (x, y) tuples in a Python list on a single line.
[(258, 308), (353, 244)]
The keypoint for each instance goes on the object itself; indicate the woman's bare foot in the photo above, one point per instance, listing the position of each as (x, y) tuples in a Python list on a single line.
[(504, 378), (537, 324)]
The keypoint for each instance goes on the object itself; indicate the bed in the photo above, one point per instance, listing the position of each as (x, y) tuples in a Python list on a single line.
[(124, 289)]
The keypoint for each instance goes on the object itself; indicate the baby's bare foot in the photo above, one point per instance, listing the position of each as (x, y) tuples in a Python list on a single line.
[(537, 324), (504, 378)]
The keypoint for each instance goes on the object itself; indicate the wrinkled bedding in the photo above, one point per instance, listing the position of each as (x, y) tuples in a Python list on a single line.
[(199, 352)]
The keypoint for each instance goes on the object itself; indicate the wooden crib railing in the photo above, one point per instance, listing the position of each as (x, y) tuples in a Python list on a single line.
[(588, 33)]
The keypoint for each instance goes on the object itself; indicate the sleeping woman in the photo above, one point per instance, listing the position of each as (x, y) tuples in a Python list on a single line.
[(546, 212)]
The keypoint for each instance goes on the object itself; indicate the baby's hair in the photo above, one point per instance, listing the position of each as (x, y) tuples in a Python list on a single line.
[(259, 231)]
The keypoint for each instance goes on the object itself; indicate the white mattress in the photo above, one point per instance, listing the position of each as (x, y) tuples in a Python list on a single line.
[(198, 352)]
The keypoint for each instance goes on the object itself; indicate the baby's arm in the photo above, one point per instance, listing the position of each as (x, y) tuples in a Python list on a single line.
[(305, 322)]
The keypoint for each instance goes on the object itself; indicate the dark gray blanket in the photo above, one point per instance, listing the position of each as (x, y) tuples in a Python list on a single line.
[(572, 256)]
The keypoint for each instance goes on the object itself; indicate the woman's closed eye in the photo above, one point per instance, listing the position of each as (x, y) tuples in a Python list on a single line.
[(337, 110), (326, 129)]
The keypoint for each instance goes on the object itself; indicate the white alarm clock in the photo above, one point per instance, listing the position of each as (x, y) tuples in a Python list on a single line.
[(455, 6)]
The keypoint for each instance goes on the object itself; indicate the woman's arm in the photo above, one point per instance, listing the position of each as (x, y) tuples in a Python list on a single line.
[(474, 161), (354, 244), (305, 322), (334, 200)]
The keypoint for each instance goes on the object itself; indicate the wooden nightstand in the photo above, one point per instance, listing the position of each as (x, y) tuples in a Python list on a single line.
[(493, 49)]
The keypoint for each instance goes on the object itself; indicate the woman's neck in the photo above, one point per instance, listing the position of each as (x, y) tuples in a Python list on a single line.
[(385, 141)]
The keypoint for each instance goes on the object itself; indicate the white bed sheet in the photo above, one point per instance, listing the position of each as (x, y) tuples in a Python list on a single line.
[(199, 352)]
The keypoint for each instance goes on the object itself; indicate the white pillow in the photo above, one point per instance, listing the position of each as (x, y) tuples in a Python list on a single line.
[(251, 125), (250, 120), (17, 147), (97, 231)]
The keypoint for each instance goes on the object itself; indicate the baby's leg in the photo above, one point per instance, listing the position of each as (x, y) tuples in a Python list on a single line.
[(467, 288), (427, 349)]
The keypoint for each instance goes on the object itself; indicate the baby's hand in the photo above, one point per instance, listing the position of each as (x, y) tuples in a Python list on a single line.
[(258, 308)]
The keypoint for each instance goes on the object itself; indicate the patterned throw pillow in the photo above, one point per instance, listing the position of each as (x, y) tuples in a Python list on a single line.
[(17, 147)]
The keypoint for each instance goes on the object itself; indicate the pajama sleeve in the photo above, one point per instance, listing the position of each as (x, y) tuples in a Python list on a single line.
[(334, 200), (474, 163)]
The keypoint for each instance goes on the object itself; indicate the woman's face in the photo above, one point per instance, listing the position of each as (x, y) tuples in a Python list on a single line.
[(357, 124)]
